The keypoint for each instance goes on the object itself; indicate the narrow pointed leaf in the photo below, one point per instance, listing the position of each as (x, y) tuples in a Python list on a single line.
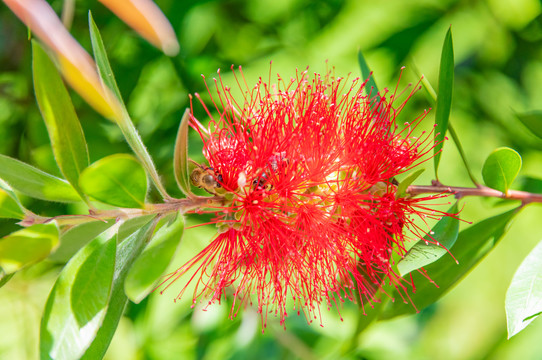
[(153, 262), (444, 98), (432, 97), (128, 250), (72, 240), (501, 168), (471, 246), (27, 246), (4, 278), (533, 122), (65, 132), (78, 302), (132, 225), (124, 121), (116, 180), (73, 61), (9, 208), (102, 62), (180, 159), (403, 185), (433, 246), (366, 73), (524, 296), (35, 183), (9, 191), (145, 17)]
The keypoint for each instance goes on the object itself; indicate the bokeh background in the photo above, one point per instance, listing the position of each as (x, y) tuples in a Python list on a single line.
[(498, 56)]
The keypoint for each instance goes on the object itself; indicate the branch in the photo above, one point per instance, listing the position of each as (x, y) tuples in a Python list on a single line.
[(174, 205), (483, 191)]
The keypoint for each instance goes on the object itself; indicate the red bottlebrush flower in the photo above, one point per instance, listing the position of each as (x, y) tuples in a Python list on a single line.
[(310, 211)]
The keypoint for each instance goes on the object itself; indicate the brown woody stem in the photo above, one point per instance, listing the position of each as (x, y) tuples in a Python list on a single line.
[(483, 191)]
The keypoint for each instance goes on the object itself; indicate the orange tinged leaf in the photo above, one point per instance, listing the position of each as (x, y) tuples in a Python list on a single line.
[(147, 19), (73, 61)]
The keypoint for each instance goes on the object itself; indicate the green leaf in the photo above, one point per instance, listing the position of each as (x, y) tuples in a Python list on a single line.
[(102, 62), (4, 278), (432, 97), (433, 246), (132, 225), (125, 123), (35, 183), (471, 246), (65, 132), (407, 181), (524, 296), (153, 262), (9, 208), (78, 236), (128, 250), (9, 191), (533, 122), (180, 160), (77, 304), (444, 98), (501, 168), (118, 180), (366, 73), (27, 246), (530, 184)]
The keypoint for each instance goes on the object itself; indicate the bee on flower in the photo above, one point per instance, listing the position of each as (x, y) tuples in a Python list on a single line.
[(310, 214)]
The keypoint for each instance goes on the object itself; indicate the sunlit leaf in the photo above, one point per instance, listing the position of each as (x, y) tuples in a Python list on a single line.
[(471, 246), (27, 246), (533, 121), (77, 305), (148, 20), (444, 98), (65, 132), (432, 97), (9, 208), (433, 246), (78, 236), (501, 168), (35, 183), (118, 180), (73, 61), (180, 159), (124, 121), (128, 250), (524, 296), (147, 269), (407, 181), (4, 278), (132, 225), (102, 63)]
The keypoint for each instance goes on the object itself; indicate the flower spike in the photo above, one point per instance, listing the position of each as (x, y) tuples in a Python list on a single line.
[(310, 212)]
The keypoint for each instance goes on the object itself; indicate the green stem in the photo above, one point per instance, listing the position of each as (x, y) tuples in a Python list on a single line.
[(134, 140), (462, 153)]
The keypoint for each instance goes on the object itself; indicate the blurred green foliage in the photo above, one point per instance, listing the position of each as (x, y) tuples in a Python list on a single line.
[(498, 56)]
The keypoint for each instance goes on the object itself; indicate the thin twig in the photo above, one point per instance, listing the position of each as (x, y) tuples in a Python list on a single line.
[(483, 191)]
